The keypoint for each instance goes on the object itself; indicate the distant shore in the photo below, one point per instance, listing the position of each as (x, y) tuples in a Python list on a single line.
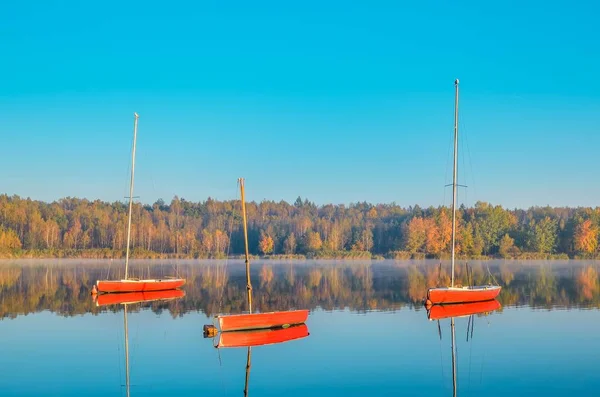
[(326, 255)]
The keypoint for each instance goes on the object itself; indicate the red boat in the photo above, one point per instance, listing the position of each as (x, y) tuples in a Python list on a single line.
[(132, 285), (448, 295), (262, 337), (135, 297), (241, 322), (438, 312)]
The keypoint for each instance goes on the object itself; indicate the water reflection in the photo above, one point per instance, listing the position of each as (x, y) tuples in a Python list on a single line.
[(216, 287), (127, 299), (250, 339), (439, 312)]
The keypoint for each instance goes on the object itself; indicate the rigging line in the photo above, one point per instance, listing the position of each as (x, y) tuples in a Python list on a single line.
[(470, 164), (448, 158), (126, 180), (491, 276), (462, 149), (228, 252)]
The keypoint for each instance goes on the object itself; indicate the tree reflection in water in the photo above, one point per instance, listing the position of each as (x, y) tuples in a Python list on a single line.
[(213, 287)]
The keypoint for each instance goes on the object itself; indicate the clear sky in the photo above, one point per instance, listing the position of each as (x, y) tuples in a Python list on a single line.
[(334, 101)]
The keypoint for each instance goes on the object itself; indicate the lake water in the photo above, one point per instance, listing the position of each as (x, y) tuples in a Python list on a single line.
[(369, 333)]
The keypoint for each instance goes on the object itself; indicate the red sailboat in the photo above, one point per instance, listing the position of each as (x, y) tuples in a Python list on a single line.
[(239, 322), (131, 284), (452, 294)]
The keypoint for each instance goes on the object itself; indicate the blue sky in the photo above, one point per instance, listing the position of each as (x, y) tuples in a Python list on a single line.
[(334, 101)]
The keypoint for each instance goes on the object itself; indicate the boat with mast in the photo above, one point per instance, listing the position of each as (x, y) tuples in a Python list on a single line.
[(128, 284), (461, 294), (249, 321)]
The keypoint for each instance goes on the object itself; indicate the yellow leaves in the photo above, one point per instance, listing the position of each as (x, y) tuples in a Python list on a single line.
[(427, 235), (416, 235), (586, 237), (266, 244), (9, 239), (372, 214), (313, 241)]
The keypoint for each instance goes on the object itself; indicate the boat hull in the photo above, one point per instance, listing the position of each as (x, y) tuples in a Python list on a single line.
[(438, 312), (262, 336), (138, 285), (241, 322), (441, 296), (135, 297)]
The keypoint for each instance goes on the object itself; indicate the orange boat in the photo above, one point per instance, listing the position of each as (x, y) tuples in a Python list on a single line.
[(130, 285), (241, 322), (452, 294), (438, 312), (135, 297), (127, 284), (262, 337)]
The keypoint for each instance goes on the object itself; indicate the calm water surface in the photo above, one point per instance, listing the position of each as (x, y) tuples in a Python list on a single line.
[(369, 335)]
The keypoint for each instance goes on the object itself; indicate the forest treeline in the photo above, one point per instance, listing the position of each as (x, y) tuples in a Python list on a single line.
[(72, 227), (214, 289)]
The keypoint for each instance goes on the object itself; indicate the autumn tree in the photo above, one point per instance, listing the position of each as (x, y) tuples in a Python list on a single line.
[(312, 241), (415, 235), (265, 244), (586, 237), (9, 239)]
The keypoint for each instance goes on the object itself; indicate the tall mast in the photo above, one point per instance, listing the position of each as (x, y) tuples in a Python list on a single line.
[(135, 123), (248, 284), (126, 351), (454, 177)]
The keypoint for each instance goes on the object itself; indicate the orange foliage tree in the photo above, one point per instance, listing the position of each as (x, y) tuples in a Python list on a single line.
[(586, 237), (265, 245)]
